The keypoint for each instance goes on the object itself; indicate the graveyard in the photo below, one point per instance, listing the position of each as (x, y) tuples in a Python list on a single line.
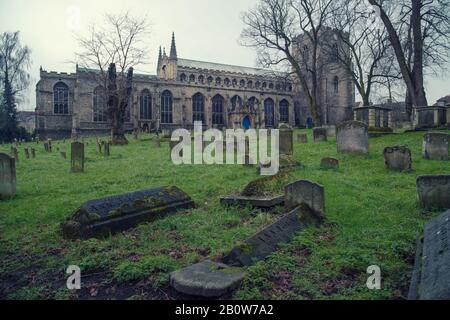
[(372, 216)]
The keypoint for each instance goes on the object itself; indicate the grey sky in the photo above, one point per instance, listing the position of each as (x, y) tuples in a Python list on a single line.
[(205, 30)]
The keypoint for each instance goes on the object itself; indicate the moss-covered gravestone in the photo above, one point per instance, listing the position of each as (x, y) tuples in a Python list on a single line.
[(7, 177), (434, 191), (436, 146), (286, 140), (77, 157), (320, 134), (397, 158), (352, 137), (109, 215)]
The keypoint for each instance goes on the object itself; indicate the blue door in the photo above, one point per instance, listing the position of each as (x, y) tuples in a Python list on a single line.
[(246, 123)]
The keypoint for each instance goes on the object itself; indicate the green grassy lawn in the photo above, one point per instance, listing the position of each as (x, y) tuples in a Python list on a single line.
[(372, 219)]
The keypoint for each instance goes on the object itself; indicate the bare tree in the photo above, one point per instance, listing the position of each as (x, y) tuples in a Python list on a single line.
[(115, 47), (15, 61), (363, 49), (273, 27), (419, 32)]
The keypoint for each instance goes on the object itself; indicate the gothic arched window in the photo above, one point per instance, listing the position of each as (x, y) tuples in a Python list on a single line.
[(218, 81), (198, 107), (242, 83), (166, 107), (210, 80), (236, 101), (336, 84), (145, 105), (226, 82), (252, 102), (191, 78), (284, 111), (269, 112), (201, 79), (264, 85), (217, 110), (234, 82), (271, 86), (335, 53), (61, 98), (257, 84), (99, 105), (250, 84), (183, 77)]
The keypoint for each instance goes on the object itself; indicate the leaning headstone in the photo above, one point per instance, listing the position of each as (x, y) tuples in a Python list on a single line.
[(27, 153), (286, 141), (352, 137), (109, 215), (434, 191), (266, 241), (329, 163), (207, 279), (77, 157), (320, 134), (307, 192), (302, 138), (397, 158), (435, 146), (431, 279), (7, 177)]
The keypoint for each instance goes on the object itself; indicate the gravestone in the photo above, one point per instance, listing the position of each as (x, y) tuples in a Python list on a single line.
[(99, 147), (320, 134), (302, 138), (63, 155), (352, 137), (329, 163), (207, 279), (108, 215), (49, 141), (46, 148), (106, 147), (331, 130), (157, 142), (15, 154), (431, 277), (286, 141), (33, 153), (7, 177), (27, 153), (434, 191), (397, 158), (77, 157), (435, 146), (266, 241), (307, 192)]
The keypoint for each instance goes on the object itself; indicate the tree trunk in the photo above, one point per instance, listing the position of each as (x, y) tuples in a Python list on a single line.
[(117, 130)]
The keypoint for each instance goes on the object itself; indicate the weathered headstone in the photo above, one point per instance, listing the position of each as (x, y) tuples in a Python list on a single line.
[(307, 192), (434, 191), (7, 177), (157, 142), (435, 146), (63, 154), (46, 147), (117, 213), (331, 130), (320, 134), (286, 141), (33, 153), (329, 163), (27, 153), (207, 279), (15, 154), (77, 157), (397, 158), (106, 147), (49, 141), (352, 137), (99, 147), (302, 138), (266, 241), (431, 276)]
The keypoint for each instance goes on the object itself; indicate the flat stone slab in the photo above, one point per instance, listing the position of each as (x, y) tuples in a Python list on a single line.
[(431, 276), (266, 241), (207, 279), (236, 200), (105, 216), (434, 191)]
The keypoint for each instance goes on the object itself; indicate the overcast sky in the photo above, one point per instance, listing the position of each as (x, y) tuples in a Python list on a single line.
[(205, 30)]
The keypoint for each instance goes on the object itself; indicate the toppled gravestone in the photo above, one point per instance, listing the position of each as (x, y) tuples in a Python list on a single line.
[(431, 276), (434, 191), (206, 279), (109, 215), (397, 158)]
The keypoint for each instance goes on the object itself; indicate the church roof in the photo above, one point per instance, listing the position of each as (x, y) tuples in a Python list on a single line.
[(195, 64)]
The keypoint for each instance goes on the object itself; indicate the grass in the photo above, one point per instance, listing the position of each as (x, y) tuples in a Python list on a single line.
[(372, 219)]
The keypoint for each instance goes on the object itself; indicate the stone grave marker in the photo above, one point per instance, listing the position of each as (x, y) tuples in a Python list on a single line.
[(157, 141), (266, 241), (46, 148), (307, 192), (431, 277), (331, 130), (329, 163), (106, 147), (77, 157), (352, 137), (434, 191), (320, 134), (435, 146), (7, 177), (15, 154), (302, 138), (286, 141), (49, 141), (27, 153), (99, 146), (206, 279), (63, 154), (109, 215), (397, 158), (33, 153)]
